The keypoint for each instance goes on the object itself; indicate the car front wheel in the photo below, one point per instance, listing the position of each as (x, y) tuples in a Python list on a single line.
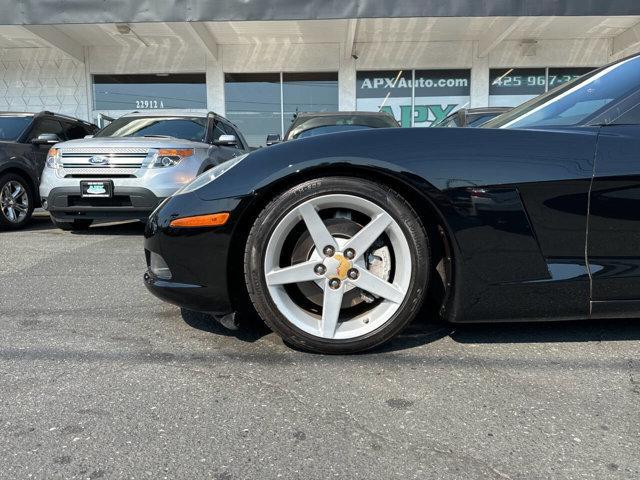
[(337, 265), (16, 201)]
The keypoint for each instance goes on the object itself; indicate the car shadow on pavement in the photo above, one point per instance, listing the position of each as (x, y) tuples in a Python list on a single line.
[(125, 228), (247, 330), (428, 329), (539, 332)]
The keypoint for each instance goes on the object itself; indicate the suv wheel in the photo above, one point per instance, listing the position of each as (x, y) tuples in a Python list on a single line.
[(16, 201)]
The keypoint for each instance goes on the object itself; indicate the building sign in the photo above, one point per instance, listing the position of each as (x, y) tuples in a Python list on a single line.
[(510, 87), (435, 94), (149, 92)]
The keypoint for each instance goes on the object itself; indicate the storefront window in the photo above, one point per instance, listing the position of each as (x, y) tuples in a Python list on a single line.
[(266, 103), (252, 102), (150, 92), (387, 91), (436, 93), (509, 87), (558, 76), (308, 92)]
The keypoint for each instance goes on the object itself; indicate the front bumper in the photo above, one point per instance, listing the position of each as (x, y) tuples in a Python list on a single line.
[(199, 259), (67, 203)]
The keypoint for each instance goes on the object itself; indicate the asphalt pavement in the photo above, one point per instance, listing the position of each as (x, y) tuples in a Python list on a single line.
[(99, 379)]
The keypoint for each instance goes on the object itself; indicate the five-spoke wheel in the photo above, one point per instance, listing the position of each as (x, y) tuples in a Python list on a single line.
[(16, 204), (337, 264)]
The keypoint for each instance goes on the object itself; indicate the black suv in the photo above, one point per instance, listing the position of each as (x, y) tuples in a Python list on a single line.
[(25, 139)]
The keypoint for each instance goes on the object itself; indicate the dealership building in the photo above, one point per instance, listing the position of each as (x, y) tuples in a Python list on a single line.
[(258, 62)]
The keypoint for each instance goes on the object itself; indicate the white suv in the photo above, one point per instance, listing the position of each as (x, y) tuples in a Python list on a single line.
[(131, 165)]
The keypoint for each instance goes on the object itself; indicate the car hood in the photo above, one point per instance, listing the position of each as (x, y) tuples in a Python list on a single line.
[(132, 142)]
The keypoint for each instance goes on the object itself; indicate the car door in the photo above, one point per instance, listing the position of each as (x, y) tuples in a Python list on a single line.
[(613, 245), (39, 152), (226, 152)]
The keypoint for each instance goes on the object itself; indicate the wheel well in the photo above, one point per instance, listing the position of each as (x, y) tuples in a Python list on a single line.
[(27, 178), (441, 246)]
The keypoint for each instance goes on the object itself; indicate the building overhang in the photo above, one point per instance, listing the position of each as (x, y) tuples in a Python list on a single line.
[(60, 12)]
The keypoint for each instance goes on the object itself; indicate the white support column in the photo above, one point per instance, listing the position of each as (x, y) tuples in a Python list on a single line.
[(346, 81), (479, 80), (215, 83)]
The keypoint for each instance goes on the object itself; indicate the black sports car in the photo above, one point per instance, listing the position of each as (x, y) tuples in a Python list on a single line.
[(338, 240)]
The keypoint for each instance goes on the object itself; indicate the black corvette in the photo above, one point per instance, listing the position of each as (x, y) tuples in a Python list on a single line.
[(336, 241)]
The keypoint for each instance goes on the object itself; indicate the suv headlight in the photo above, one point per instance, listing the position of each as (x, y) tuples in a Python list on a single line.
[(210, 175), (167, 157), (53, 158)]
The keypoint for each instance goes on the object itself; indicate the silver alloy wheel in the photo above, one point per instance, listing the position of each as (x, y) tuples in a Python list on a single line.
[(338, 266), (14, 201)]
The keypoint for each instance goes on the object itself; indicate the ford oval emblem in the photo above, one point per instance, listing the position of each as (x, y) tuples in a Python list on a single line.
[(98, 160)]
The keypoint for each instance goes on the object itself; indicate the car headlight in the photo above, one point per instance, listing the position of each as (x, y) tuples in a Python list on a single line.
[(53, 158), (210, 175), (167, 157)]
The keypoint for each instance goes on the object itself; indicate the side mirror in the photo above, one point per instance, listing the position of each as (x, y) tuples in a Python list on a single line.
[(46, 139), (227, 140), (272, 139)]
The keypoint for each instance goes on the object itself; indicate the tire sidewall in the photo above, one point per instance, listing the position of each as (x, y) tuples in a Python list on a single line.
[(382, 196), (12, 177)]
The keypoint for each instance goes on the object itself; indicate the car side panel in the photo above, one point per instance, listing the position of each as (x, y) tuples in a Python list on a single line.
[(513, 202), (614, 232)]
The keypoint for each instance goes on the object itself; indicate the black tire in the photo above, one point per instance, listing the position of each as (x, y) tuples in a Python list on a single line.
[(379, 194), (73, 225), (5, 222)]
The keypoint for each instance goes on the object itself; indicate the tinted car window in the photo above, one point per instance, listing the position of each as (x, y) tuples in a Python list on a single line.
[(47, 125), (12, 127), (188, 128), (232, 131), (477, 120), (630, 117), (75, 130)]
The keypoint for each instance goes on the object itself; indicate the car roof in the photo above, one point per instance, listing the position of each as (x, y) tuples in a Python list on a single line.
[(44, 113), (341, 114), (152, 113)]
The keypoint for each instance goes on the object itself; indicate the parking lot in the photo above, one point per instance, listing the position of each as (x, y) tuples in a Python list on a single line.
[(99, 379)]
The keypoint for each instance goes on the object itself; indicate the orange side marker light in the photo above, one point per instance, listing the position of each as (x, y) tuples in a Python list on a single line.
[(209, 220)]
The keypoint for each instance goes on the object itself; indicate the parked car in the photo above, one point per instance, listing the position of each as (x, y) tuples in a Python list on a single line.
[(310, 124), (471, 117), (338, 240), (132, 165), (24, 141)]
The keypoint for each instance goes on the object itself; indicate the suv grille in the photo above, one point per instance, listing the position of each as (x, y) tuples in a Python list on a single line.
[(116, 158)]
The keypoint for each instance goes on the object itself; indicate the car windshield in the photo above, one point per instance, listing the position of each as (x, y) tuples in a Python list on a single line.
[(311, 126), (12, 127), (188, 128), (576, 102)]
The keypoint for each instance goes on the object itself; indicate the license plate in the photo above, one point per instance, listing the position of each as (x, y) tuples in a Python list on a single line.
[(96, 188)]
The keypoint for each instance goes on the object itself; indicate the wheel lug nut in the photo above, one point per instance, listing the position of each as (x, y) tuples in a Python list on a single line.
[(334, 283), (349, 253), (320, 269), (353, 273), (329, 251)]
